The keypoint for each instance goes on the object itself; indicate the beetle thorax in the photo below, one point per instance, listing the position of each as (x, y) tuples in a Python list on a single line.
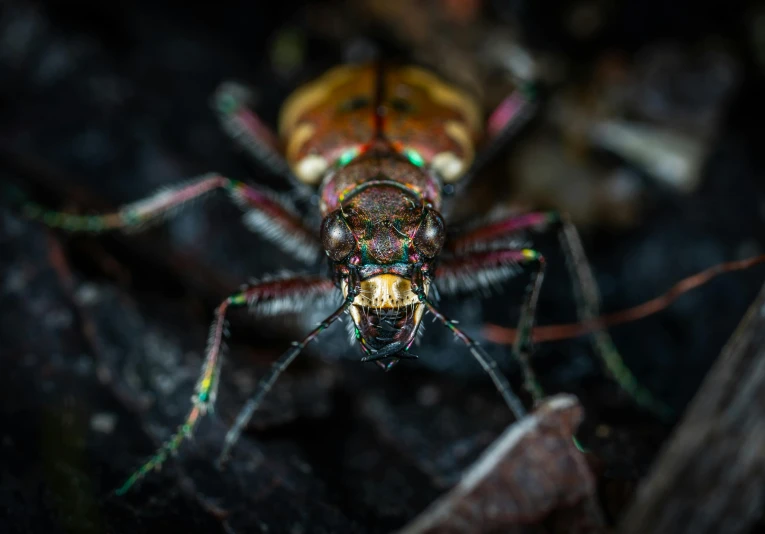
[(374, 168)]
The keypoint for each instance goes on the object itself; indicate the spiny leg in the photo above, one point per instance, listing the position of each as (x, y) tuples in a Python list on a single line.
[(503, 124), (511, 113), (265, 213), (585, 289), (588, 301), (266, 383), (285, 294), (231, 103), (479, 268), (487, 235), (134, 216), (506, 119), (522, 348)]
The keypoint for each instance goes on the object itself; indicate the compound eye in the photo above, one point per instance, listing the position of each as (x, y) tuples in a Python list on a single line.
[(336, 237), (430, 235)]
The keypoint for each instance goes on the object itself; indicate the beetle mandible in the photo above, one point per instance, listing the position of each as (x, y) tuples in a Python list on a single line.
[(379, 145)]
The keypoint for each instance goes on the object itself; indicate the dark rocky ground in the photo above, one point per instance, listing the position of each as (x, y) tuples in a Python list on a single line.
[(100, 338)]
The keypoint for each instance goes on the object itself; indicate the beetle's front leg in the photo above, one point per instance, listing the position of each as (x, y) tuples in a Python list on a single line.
[(274, 296), (478, 269), (265, 213), (266, 383), (586, 294)]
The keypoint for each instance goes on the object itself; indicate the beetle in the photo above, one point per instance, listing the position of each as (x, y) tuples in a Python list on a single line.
[(379, 146)]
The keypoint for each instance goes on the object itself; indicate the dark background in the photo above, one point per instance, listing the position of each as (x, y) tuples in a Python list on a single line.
[(101, 337)]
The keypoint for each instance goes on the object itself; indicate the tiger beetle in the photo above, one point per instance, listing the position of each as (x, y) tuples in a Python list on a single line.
[(379, 146)]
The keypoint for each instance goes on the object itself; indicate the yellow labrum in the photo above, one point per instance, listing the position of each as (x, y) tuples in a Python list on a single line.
[(386, 291)]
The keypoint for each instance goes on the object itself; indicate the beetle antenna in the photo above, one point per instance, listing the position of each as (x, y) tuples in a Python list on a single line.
[(555, 332), (487, 362)]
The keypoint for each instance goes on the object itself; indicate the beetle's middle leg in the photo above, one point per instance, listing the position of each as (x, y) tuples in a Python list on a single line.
[(265, 213), (585, 289), (279, 295)]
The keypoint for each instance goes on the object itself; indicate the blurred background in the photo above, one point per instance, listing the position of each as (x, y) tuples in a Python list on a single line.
[(647, 134)]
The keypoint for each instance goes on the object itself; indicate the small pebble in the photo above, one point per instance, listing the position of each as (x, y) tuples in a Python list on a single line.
[(428, 395), (103, 422)]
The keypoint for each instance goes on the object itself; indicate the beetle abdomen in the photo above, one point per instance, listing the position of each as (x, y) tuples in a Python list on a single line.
[(338, 116)]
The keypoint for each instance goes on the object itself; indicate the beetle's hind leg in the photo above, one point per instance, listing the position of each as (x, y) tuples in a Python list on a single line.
[(585, 289), (588, 303)]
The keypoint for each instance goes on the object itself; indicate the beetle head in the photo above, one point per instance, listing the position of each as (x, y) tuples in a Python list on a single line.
[(385, 233)]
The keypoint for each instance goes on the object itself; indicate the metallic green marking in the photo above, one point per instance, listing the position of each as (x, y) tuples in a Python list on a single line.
[(238, 300), (414, 157), (347, 156), (581, 448), (530, 254)]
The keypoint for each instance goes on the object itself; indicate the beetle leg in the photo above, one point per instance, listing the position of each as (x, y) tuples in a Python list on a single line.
[(479, 269), (482, 357), (284, 295), (507, 118), (487, 235), (586, 294), (231, 103), (268, 215), (265, 383), (503, 124)]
